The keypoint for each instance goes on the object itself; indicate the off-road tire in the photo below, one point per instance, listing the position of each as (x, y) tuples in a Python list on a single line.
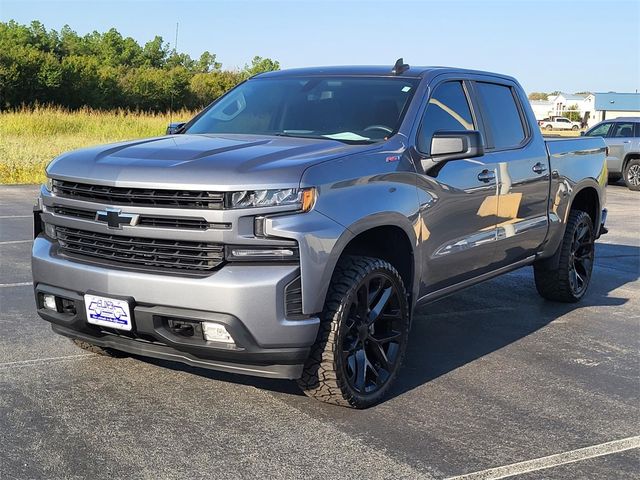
[(555, 283), (325, 373), (631, 172), (90, 347)]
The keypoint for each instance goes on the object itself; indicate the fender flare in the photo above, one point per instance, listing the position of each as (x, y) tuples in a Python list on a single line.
[(362, 225)]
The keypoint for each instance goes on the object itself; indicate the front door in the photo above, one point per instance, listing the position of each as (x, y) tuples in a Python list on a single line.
[(619, 143), (458, 198)]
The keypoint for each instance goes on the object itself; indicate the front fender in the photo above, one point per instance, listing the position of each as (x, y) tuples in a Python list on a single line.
[(359, 193)]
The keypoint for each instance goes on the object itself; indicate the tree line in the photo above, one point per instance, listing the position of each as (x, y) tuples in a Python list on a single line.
[(107, 71)]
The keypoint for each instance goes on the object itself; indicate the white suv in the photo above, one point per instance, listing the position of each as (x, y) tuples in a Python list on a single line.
[(622, 136)]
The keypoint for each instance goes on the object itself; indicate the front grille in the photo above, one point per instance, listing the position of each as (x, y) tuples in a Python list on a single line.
[(190, 223), (149, 197), (156, 254)]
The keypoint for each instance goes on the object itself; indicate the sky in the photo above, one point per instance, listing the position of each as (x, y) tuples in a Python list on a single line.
[(565, 45)]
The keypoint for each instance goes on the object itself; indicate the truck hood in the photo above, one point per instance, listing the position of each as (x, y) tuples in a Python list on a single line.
[(215, 162)]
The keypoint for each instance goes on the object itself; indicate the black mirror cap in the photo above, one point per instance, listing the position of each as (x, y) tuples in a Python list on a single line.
[(454, 145), (174, 128)]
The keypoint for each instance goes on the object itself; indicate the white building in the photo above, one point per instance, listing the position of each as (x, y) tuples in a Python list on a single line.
[(593, 107), (584, 104), (542, 108)]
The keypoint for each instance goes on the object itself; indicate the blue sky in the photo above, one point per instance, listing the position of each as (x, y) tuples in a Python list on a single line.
[(548, 45)]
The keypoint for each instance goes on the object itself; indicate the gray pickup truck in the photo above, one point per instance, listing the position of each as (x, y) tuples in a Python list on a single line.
[(291, 229)]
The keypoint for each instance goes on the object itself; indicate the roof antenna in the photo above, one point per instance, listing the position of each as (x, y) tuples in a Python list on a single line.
[(400, 67)]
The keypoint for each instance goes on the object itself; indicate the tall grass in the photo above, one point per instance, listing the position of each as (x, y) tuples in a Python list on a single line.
[(31, 138)]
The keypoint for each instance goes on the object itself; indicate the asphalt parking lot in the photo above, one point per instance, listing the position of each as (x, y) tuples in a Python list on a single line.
[(495, 376)]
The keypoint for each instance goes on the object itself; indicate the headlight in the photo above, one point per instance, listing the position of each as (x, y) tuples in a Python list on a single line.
[(49, 184), (303, 199)]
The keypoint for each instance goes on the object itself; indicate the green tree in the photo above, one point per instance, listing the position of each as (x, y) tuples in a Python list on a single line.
[(572, 113), (260, 65), (538, 96), (107, 70)]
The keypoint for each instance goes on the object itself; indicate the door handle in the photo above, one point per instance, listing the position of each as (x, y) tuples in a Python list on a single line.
[(486, 176), (627, 141), (539, 168)]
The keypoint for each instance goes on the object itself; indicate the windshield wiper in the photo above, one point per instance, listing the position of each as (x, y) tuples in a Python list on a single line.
[(322, 137)]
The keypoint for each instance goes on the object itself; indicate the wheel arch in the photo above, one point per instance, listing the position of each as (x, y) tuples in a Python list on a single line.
[(628, 157), (586, 198), (387, 235)]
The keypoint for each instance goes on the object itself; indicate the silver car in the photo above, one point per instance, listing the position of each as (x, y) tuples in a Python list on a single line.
[(622, 136)]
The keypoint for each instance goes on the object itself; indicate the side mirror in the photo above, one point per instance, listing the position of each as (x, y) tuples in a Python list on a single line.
[(173, 128), (455, 145), (582, 134)]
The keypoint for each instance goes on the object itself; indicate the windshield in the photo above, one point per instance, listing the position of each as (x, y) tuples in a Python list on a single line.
[(349, 109)]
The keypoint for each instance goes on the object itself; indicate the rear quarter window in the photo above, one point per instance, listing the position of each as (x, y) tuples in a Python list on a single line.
[(501, 113)]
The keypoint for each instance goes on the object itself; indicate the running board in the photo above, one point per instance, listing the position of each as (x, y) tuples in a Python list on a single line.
[(443, 292)]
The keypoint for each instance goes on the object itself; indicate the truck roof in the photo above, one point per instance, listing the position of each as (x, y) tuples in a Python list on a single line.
[(372, 70)]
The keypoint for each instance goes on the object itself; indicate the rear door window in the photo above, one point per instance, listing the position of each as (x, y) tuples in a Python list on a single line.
[(501, 113), (622, 130)]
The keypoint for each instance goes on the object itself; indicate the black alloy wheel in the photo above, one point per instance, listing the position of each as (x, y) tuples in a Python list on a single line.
[(565, 277), (373, 332), (581, 258), (362, 336)]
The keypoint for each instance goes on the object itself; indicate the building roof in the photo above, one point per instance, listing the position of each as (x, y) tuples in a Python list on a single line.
[(571, 96), (621, 102)]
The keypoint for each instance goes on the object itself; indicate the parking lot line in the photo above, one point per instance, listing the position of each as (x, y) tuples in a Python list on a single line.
[(550, 461), (36, 361), (10, 242), (19, 284), (16, 216)]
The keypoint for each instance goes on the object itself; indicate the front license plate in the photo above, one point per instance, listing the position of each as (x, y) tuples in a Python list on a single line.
[(108, 312)]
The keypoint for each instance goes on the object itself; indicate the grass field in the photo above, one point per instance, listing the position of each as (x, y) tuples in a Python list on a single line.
[(30, 139)]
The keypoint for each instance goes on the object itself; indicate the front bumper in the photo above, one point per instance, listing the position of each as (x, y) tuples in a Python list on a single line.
[(248, 299)]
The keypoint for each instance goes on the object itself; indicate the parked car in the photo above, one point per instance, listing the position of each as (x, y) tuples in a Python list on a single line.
[(622, 136), (558, 123), (291, 229)]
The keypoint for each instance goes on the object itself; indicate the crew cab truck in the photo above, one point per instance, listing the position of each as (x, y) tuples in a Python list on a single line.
[(558, 123), (292, 228)]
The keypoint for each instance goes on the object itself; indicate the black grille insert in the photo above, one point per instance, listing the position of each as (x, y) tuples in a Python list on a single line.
[(139, 196), (293, 299), (189, 223), (173, 255)]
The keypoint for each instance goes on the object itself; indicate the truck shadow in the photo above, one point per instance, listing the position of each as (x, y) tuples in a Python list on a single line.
[(459, 329)]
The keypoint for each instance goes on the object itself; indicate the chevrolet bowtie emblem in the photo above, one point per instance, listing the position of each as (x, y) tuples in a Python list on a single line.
[(115, 218)]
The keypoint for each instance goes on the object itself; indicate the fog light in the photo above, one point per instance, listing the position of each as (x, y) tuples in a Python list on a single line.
[(216, 332), (50, 230), (50, 302)]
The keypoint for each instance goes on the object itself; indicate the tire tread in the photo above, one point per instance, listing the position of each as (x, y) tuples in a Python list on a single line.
[(321, 378)]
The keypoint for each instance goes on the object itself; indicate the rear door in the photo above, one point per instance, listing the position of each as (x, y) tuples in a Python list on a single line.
[(619, 143), (523, 171)]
